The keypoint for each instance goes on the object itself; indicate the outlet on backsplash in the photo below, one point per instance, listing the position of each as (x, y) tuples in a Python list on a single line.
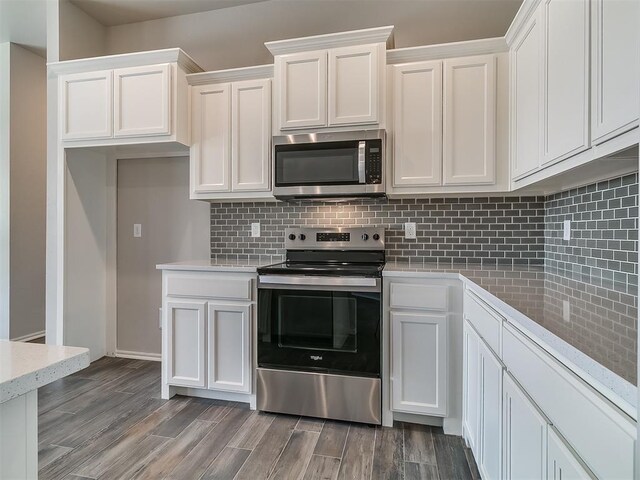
[(410, 230)]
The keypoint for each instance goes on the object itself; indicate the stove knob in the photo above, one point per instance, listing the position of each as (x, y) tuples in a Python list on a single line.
[(365, 237), (376, 236), (292, 236), (302, 236)]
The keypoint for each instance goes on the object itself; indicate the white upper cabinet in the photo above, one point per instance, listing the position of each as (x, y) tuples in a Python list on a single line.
[(301, 82), (419, 362), (417, 124), (86, 103), (230, 153), (615, 67), (526, 84), (565, 89), (469, 138), (251, 135), (333, 80), (211, 137), (125, 99), (142, 101), (354, 74)]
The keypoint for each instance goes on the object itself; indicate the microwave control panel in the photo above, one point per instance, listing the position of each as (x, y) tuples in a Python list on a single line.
[(374, 161)]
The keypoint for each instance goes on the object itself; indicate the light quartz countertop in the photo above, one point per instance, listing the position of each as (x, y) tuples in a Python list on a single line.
[(218, 265), (28, 366), (588, 324)]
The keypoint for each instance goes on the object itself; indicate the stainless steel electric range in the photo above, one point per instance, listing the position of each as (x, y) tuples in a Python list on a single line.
[(319, 325)]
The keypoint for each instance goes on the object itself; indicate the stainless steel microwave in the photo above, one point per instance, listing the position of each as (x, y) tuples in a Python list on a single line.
[(329, 165)]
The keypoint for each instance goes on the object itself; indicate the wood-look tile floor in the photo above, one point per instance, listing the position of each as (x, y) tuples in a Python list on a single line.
[(108, 422)]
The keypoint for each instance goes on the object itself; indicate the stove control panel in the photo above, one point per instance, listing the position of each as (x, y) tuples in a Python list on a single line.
[(339, 238)]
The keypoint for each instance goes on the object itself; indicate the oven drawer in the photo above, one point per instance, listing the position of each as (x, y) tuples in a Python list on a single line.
[(419, 296), (210, 285)]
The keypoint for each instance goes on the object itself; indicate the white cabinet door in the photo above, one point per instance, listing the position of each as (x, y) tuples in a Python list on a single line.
[(490, 463), (526, 84), (86, 101), (229, 347), (565, 90), (251, 135), (142, 101), (211, 137), (417, 129), (525, 436), (471, 389), (419, 363), (615, 67), (186, 341), (301, 79), (561, 463), (469, 134), (353, 85)]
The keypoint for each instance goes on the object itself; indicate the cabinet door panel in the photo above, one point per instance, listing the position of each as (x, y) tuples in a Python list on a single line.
[(86, 101), (419, 363), (615, 69), (186, 323), (469, 156), (562, 464), (229, 347), (525, 436), (565, 129), (471, 389), (526, 74), (251, 135), (302, 89), (491, 415), (417, 114), (211, 133), (142, 101), (353, 85)]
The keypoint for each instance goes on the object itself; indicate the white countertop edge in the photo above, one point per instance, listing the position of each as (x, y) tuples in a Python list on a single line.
[(203, 267), (613, 387), (40, 377)]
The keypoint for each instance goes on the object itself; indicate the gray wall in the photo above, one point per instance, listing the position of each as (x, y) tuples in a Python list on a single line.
[(155, 193), (28, 162)]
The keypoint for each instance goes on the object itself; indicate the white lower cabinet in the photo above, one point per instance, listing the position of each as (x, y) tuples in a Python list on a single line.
[(471, 389), (562, 463), (524, 437), (419, 362), (186, 354), (229, 347)]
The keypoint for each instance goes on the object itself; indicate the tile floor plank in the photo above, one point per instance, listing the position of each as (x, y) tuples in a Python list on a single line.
[(357, 460), (422, 471), (322, 468), (332, 439), (296, 455), (388, 460), (134, 459), (227, 464), (418, 444), (172, 427), (452, 461), (310, 424), (50, 453), (252, 431)]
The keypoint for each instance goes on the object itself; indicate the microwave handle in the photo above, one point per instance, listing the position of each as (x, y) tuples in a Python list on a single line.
[(361, 161)]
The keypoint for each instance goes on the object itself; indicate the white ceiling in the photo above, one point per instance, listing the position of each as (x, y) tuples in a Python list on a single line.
[(24, 22), (120, 12)]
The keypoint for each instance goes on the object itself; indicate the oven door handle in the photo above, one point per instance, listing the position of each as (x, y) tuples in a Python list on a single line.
[(318, 281), (361, 161)]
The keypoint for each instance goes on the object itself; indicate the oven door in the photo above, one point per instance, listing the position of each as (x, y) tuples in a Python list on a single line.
[(321, 324)]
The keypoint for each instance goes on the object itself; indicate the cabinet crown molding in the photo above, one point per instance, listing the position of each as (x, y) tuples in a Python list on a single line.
[(524, 12), (484, 46), (231, 75), (137, 59), (333, 40)]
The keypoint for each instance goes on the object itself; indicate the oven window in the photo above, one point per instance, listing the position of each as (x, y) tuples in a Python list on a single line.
[(319, 321), (334, 166)]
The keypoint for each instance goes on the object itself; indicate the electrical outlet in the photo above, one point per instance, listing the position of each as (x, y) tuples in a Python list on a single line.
[(137, 230), (566, 311), (255, 229), (410, 230), (567, 230)]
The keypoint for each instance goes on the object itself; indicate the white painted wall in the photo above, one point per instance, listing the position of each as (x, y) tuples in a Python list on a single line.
[(4, 190), (81, 36)]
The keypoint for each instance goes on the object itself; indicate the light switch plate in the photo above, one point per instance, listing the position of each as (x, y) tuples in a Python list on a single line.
[(137, 230), (255, 229), (567, 230), (410, 230)]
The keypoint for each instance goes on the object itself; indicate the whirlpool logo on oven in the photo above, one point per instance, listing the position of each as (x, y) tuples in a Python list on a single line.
[(316, 357)]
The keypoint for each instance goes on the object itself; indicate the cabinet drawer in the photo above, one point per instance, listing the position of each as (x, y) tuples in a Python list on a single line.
[(415, 295), (487, 322), (602, 435), (210, 286)]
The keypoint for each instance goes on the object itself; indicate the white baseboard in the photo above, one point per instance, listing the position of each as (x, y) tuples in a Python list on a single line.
[(154, 357), (28, 338)]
